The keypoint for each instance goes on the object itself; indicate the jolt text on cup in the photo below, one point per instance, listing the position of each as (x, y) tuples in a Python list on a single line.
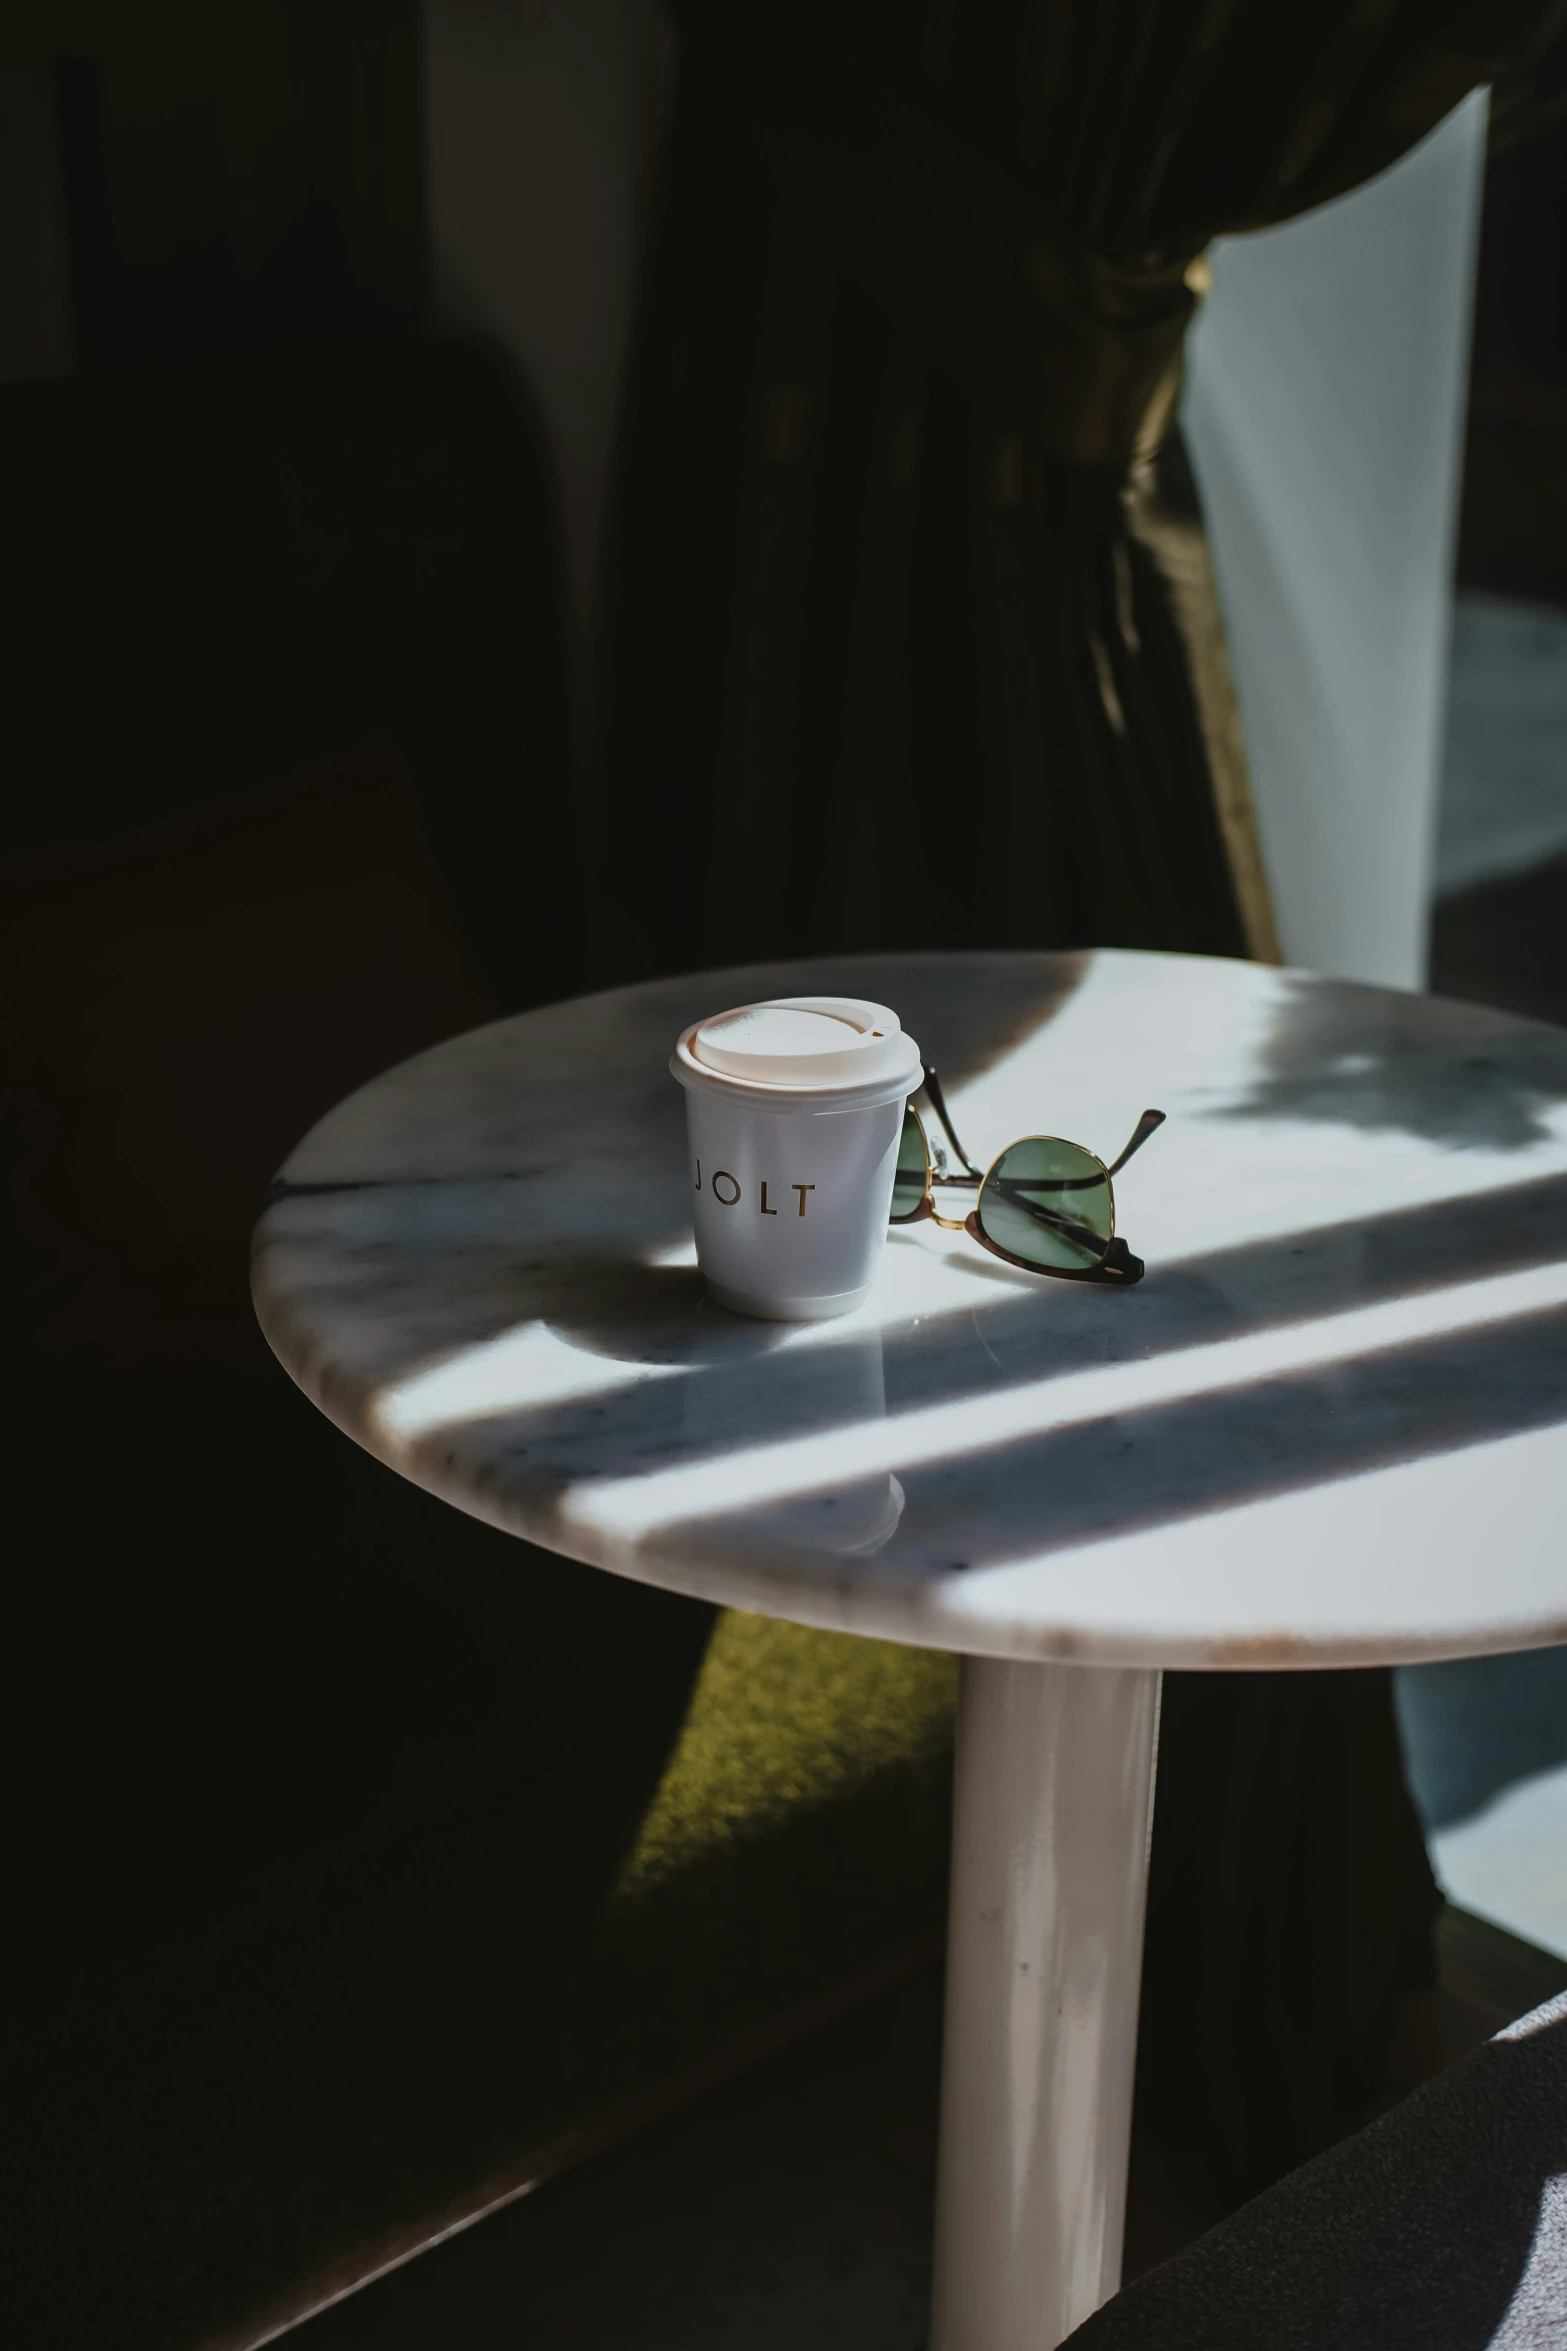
[(728, 1191)]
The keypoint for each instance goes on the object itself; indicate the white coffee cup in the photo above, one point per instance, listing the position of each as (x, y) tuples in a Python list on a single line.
[(793, 1111)]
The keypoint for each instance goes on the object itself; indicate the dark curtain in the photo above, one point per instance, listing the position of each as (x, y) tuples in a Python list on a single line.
[(908, 638)]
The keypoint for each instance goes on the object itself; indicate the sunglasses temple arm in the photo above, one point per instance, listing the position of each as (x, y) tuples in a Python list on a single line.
[(933, 1090), (1148, 1124)]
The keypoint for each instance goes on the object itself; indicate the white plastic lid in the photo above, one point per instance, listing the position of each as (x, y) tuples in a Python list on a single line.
[(804, 1041)]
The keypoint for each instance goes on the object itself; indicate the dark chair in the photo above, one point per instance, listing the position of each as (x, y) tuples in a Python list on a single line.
[(361, 1869)]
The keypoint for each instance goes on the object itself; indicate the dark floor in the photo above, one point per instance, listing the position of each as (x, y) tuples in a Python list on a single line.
[(792, 2208)]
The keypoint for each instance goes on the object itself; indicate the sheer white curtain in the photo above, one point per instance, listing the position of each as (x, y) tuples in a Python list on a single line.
[(1324, 413)]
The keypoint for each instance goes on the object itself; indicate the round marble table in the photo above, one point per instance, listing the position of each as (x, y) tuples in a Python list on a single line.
[(1329, 1428)]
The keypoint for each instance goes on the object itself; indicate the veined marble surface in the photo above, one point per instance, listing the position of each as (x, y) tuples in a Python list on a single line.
[(1329, 1427)]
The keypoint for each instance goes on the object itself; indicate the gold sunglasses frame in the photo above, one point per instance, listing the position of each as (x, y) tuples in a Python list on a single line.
[(1115, 1265)]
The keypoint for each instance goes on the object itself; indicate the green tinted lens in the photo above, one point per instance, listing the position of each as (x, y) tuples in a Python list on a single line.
[(1048, 1203), (908, 1185)]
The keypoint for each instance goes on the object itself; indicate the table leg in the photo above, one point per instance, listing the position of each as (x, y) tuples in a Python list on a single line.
[(1054, 1801)]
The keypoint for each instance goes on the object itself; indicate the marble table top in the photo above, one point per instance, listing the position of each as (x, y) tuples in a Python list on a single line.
[(1329, 1427)]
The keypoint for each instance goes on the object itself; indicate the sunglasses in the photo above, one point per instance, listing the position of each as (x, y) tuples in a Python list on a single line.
[(1044, 1205)]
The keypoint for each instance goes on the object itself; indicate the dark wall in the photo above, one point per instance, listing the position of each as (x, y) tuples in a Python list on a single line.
[(233, 176)]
